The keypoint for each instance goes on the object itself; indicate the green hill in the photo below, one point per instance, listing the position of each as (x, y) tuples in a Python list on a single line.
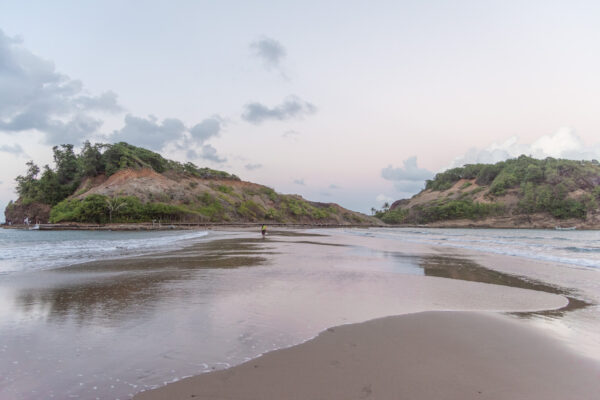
[(121, 183), (521, 192)]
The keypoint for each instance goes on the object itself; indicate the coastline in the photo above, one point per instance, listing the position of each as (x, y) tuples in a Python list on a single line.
[(450, 355), (148, 226), (545, 366), (266, 295), (512, 222)]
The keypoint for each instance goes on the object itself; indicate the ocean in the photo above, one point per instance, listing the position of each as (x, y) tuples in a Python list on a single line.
[(23, 250), (28, 250), (576, 248)]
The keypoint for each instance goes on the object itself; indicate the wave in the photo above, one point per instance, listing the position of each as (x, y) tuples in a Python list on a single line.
[(535, 245), (583, 249), (34, 250)]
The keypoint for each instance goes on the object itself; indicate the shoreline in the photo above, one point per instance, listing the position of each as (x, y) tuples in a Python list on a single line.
[(454, 224), (426, 355), (148, 226), (284, 289)]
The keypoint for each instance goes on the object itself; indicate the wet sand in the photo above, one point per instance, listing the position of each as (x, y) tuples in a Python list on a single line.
[(430, 355), (112, 328)]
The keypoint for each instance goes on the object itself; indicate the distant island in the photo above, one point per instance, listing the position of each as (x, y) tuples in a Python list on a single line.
[(522, 192), (122, 183)]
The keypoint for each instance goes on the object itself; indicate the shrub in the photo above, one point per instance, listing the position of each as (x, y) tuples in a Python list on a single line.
[(225, 189)]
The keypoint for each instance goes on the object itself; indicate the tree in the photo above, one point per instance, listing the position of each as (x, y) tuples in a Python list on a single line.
[(49, 189), (93, 208), (27, 186), (66, 163), (533, 173), (113, 205), (90, 159)]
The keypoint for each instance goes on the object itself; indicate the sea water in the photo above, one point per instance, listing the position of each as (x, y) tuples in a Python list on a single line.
[(576, 248), (27, 250)]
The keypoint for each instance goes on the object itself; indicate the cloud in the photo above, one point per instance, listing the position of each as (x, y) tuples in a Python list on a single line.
[(299, 182), (206, 129), (207, 152), (410, 172), (409, 179), (148, 132), (107, 101), (15, 149), (34, 96), (270, 51), (564, 143), (291, 107), (334, 187), (252, 167)]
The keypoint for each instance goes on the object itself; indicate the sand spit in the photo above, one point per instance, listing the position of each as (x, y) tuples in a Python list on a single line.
[(430, 355)]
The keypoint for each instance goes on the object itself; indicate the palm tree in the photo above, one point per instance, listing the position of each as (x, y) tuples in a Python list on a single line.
[(113, 205)]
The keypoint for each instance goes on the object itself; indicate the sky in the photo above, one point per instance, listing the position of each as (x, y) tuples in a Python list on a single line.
[(351, 102)]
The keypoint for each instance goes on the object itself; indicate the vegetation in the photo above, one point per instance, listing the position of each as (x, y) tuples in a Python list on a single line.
[(101, 209), (560, 188), (68, 192), (70, 169)]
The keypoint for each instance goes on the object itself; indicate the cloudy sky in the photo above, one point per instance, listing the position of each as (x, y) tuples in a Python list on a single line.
[(352, 102)]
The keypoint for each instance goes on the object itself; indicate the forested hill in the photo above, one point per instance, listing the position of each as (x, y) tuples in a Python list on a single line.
[(121, 183), (520, 192)]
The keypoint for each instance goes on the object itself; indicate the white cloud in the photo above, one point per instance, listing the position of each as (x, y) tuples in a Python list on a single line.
[(410, 172), (299, 182), (562, 144), (408, 179), (34, 96)]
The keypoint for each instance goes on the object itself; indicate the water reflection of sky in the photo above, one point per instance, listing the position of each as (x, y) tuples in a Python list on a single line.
[(109, 329)]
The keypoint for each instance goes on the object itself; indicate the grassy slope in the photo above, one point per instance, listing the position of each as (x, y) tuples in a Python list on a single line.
[(124, 183), (519, 192), (194, 199)]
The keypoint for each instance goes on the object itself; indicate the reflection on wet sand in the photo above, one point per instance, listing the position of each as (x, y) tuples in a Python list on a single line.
[(111, 288), (157, 317), (468, 270)]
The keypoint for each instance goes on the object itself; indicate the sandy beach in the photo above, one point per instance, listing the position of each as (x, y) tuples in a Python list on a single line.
[(321, 314), (425, 354), (430, 355)]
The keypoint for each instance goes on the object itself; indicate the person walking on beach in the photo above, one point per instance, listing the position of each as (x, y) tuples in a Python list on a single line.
[(263, 230)]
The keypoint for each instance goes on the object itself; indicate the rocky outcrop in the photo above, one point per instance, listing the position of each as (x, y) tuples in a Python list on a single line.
[(16, 213)]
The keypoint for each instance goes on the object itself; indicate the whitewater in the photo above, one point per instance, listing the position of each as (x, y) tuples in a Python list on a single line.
[(25, 250), (573, 248)]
